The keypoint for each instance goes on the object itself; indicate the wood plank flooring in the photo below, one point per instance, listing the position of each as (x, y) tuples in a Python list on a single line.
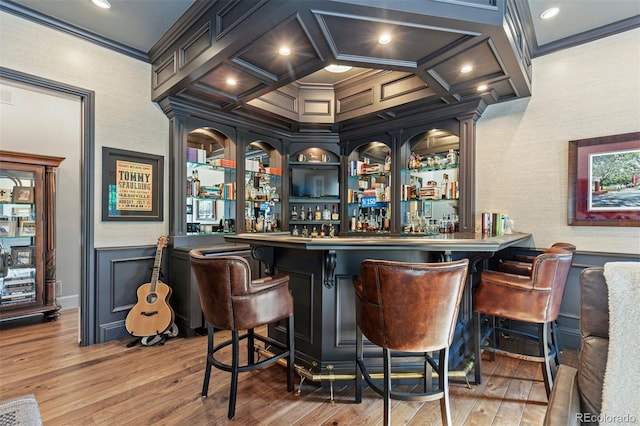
[(110, 384)]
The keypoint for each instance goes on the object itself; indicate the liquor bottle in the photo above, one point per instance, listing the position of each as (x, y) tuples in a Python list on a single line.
[(444, 191), (334, 214), (189, 185), (326, 213), (352, 227), (309, 214), (318, 213), (302, 213), (195, 184), (294, 214), (387, 222)]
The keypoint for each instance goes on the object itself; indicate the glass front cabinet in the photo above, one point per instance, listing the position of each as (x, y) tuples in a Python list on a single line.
[(430, 190), (27, 235), (369, 189)]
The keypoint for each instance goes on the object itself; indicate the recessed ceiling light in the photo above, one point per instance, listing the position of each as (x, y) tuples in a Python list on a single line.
[(102, 3), (284, 51), (549, 13), (337, 68), (466, 69), (231, 81), (482, 87), (384, 38)]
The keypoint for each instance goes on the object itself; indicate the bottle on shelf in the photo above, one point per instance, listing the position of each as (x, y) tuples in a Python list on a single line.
[(195, 184), (354, 220), (294, 214), (318, 213), (326, 213), (444, 187), (334, 214), (302, 213)]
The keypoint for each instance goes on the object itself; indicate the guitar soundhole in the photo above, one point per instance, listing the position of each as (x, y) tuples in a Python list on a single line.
[(152, 298)]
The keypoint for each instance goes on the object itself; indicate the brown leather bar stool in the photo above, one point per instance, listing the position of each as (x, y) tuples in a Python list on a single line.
[(231, 300), (521, 264), (533, 299), (408, 307)]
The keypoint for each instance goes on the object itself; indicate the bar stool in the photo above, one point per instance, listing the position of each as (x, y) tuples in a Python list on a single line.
[(408, 307), (532, 299), (521, 264), (230, 300)]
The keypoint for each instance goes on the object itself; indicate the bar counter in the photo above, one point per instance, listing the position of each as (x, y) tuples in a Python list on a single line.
[(321, 271)]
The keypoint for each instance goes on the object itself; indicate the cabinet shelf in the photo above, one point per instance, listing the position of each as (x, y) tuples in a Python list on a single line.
[(194, 165), (315, 164), (317, 200), (449, 166), (430, 199), (312, 222)]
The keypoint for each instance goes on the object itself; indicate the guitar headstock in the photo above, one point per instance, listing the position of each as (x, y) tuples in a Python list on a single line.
[(162, 242)]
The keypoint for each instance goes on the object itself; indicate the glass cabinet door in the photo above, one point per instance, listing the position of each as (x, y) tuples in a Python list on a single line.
[(19, 261), (211, 185), (263, 186), (369, 189), (430, 189)]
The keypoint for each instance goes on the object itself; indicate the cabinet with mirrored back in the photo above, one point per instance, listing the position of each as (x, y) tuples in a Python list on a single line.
[(27, 229), (369, 189), (263, 188), (430, 190), (210, 200)]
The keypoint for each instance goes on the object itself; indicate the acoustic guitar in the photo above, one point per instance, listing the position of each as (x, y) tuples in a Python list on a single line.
[(151, 315)]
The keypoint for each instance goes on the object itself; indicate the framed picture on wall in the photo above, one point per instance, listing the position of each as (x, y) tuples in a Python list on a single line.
[(604, 181), (132, 185)]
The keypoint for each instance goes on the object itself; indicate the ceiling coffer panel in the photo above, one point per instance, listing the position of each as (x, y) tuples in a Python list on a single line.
[(356, 38), (232, 14), (262, 55), (218, 82), (484, 64)]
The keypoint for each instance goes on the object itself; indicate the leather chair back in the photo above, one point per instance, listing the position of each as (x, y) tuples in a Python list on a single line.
[(230, 300), (594, 330), (409, 307), (535, 298)]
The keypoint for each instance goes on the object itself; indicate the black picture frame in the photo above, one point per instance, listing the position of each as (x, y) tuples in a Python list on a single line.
[(22, 257), (132, 185), (585, 185)]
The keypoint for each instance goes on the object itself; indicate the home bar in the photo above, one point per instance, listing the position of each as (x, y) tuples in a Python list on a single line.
[(435, 202)]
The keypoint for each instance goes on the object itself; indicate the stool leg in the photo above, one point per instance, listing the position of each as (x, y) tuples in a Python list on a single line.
[(443, 383), (543, 345), (292, 353), (477, 352), (234, 373), (207, 371), (359, 359), (387, 386), (555, 339), (250, 347)]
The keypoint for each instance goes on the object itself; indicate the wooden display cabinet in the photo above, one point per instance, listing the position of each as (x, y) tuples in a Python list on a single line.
[(27, 235)]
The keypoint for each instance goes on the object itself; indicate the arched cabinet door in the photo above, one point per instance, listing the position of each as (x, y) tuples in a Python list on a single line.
[(369, 189), (430, 190), (263, 188), (210, 200)]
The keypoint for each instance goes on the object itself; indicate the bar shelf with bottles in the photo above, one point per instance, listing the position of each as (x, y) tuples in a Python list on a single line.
[(211, 195), (263, 207), (429, 198), (314, 201), (368, 192)]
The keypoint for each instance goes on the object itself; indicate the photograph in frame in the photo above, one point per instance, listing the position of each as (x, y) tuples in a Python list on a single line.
[(23, 194), (604, 181), (22, 257), (27, 228), (7, 228)]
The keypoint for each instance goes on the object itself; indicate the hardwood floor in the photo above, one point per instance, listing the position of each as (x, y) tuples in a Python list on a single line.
[(110, 384)]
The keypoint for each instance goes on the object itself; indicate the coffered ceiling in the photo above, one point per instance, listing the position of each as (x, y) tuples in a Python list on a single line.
[(224, 55)]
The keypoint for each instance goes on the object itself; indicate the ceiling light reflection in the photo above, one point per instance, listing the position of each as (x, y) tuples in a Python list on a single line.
[(385, 38), (284, 51), (549, 13), (337, 68), (102, 3)]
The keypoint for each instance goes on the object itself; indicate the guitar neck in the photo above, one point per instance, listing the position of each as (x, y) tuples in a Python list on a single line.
[(156, 269)]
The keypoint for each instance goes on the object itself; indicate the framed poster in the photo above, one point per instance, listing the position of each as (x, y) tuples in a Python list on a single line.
[(23, 194), (132, 185), (604, 181)]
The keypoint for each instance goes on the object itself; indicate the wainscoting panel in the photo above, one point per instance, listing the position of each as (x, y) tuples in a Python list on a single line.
[(119, 273)]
